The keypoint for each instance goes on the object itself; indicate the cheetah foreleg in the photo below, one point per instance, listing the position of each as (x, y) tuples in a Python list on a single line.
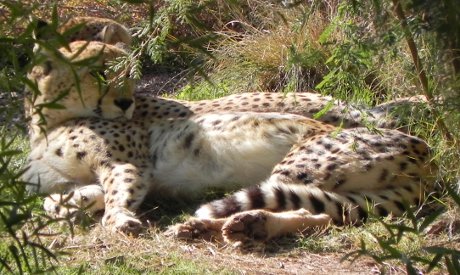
[(124, 192), (89, 198), (264, 225)]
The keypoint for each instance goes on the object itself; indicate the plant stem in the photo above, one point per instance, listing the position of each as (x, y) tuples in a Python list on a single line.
[(419, 68)]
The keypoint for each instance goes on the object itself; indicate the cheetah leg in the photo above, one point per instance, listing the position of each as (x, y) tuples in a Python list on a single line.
[(263, 225), (89, 198), (124, 192)]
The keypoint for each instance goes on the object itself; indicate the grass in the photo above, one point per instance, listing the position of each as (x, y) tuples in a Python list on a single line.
[(268, 47), (98, 252)]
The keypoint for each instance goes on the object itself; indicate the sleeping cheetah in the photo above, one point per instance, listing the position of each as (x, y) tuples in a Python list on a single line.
[(88, 29), (306, 104), (295, 171)]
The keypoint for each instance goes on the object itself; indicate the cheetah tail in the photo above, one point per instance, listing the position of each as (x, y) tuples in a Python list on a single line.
[(343, 207)]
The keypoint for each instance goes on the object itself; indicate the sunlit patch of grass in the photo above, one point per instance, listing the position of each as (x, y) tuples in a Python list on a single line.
[(203, 90), (103, 252), (287, 51)]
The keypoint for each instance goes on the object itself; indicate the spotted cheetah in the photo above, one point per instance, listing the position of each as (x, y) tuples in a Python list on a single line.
[(108, 149), (306, 104), (88, 28)]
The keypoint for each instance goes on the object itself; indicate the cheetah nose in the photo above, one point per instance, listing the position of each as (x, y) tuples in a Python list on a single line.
[(123, 103)]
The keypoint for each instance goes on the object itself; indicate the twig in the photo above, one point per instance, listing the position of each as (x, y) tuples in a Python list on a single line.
[(419, 68)]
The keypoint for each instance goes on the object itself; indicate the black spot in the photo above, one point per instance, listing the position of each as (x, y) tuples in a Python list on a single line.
[(317, 204), (340, 213), (383, 175), (382, 212), (390, 157), (230, 206), (305, 178), (128, 180), (130, 202), (285, 173), (188, 140), (114, 192), (368, 166), (280, 198), (400, 205), (295, 199), (415, 141), (58, 152), (384, 197), (283, 131), (328, 146), (362, 214), (104, 163), (351, 199), (331, 167), (293, 129), (81, 155), (408, 188), (256, 197)]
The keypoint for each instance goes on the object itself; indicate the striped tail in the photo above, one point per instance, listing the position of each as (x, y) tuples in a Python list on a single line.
[(344, 207)]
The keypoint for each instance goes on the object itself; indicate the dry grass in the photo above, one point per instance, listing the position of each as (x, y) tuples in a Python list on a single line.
[(265, 48), (268, 58), (99, 252)]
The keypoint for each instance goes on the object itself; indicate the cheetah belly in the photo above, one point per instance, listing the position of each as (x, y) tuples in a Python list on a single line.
[(224, 157)]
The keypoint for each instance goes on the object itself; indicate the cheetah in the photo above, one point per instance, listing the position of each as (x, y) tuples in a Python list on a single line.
[(306, 104), (87, 28), (108, 149)]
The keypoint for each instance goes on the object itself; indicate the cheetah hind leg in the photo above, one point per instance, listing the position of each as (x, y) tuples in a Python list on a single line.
[(194, 228), (88, 199), (263, 225)]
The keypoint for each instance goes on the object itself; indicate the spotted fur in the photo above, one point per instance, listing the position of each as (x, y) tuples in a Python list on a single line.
[(96, 29), (112, 148)]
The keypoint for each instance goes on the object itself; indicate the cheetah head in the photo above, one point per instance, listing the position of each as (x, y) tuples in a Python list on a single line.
[(78, 82)]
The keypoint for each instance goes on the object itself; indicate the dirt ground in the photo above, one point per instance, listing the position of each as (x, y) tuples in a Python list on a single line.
[(152, 253)]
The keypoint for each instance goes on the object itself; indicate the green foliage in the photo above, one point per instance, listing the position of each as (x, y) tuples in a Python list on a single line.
[(355, 51), (22, 225)]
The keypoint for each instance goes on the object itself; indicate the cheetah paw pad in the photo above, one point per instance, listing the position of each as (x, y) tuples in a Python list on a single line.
[(193, 229), (251, 225)]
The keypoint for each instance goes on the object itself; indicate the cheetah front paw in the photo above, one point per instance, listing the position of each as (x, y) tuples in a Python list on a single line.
[(207, 229), (122, 220), (60, 206), (87, 199)]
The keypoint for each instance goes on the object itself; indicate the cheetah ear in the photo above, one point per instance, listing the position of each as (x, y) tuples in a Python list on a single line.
[(112, 33)]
